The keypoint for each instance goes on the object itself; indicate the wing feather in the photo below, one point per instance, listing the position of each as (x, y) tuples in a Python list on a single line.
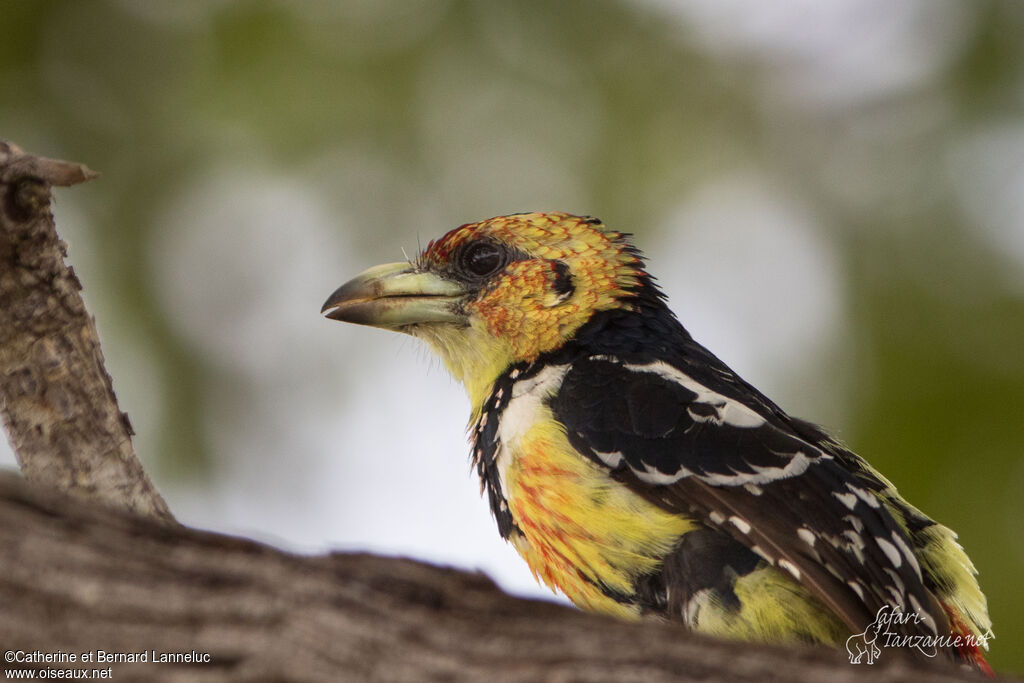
[(735, 462)]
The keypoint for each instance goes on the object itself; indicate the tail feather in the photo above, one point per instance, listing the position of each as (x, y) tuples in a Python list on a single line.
[(969, 646)]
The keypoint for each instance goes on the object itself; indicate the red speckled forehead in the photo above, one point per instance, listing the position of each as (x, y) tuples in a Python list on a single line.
[(552, 235)]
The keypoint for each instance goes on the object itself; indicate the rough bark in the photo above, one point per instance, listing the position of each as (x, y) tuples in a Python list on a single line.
[(56, 397), (79, 578)]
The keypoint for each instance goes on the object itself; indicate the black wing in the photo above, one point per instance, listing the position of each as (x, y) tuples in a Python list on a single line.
[(737, 463)]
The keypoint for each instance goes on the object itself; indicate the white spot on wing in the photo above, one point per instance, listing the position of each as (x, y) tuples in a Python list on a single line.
[(890, 551), (651, 475), (753, 489), (896, 580), (907, 553), (855, 585), (741, 524), (758, 550), (807, 536), (855, 522), (797, 464), (864, 495), (791, 568), (716, 517), (847, 499), (612, 459), (738, 415)]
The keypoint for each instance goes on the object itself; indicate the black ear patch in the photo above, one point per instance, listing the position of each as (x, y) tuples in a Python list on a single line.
[(563, 284)]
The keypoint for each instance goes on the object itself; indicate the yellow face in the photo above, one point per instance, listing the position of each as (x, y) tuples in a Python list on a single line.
[(491, 294)]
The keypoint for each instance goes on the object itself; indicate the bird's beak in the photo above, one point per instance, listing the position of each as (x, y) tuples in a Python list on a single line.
[(395, 295)]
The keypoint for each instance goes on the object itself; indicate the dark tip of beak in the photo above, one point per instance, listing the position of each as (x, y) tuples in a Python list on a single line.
[(332, 300), (356, 288)]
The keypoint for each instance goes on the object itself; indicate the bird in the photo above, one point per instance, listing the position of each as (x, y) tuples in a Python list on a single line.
[(639, 475)]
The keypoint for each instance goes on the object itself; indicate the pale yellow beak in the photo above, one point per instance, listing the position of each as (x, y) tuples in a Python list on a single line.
[(396, 295)]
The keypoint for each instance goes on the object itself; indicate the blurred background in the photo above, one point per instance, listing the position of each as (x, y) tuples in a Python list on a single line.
[(831, 193)]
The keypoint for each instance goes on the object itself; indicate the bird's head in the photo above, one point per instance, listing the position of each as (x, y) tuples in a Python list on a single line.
[(505, 290)]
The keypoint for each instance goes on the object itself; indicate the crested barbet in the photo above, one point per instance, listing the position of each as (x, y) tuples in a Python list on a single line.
[(640, 476)]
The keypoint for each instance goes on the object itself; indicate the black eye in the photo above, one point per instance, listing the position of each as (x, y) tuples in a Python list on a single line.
[(482, 258)]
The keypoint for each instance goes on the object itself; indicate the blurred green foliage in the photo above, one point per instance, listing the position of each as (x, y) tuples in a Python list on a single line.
[(617, 109)]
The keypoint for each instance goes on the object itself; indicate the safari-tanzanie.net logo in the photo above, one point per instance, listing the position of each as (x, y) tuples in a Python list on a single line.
[(866, 647)]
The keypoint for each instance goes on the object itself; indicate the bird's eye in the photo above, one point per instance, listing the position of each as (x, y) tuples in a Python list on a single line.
[(482, 259)]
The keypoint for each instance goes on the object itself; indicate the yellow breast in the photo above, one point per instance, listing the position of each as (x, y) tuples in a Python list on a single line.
[(580, 531)]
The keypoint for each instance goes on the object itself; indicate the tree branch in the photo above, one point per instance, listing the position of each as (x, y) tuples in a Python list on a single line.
[(79, 578), (56, 398)]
